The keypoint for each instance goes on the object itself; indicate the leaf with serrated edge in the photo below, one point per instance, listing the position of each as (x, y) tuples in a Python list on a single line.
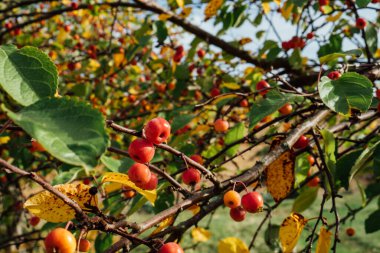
[(27, 75), (70, 130), (49, 207), (351, 90)]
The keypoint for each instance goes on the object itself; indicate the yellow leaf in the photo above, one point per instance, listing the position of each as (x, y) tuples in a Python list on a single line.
[(93, 65), (118, 59), (290, 231), (200, 234), (223, 98), (186, 12), (266, 7), (278, 2), (4, 139), (377, 53), (194, 208), (66, 2), (123, 179), (232, 86), (180, 3), (232, 245), (49, 207), (164, 16), (280, 174), (111, 187), (286, 10), (212, 8), (324, 241), (62, 36), (244, 41), (333, 18), (164, 224)]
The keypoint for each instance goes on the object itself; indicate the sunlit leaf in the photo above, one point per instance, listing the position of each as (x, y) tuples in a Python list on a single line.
[(324, 241), (266, 7), (333, 18), (163, 224), (290, 231), (232, 245), (200, 234), (49, 207), (123, 179), (4, 139), (212, 7)]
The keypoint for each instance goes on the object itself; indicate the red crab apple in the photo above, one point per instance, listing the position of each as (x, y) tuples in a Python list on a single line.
[(301, 143), (323, 2), (361, 23), (151, 184), (197, 158), (310, 35), (221, 125), (84, 245), (60, 240), (252, 202), (191, 176), (139, 173), (238, 213), (262, 85), (334, 75), (350, 232), (141, 150), (215, 92), (171, 247), (34, 221), (201, 53), (286, 109), (313, 182), (157, 130), (378, 93)]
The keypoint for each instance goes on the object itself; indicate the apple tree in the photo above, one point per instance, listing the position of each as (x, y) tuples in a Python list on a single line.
[(125, 124)]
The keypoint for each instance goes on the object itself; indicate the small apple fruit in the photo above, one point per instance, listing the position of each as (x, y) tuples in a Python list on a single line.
[(139, 173), (157, 130), (252, 202), (141, 150), (60, 240)]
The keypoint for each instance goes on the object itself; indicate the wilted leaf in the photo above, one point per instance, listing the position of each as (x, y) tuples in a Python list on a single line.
[(231, 86), (324, 241), (49, 207), (290, 231), (333, 18), (212, 7), (164, 224), (200, 234), (280, 175), (123, 179), (232, 245)]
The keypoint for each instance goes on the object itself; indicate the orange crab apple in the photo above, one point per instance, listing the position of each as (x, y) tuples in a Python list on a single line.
[(60, 240)]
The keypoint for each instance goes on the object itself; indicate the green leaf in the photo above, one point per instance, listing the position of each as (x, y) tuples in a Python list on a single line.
[(305, 199), (103, 241), (295, 59), (376, 161), (329, 143), (271, 236), (181, 121), (371, 36), (362, 3), (115, 165), (372, 223), (333, 46), (66, 176), (161, 31), (372, 190), (334, 56), (27, 75), (182, 72), (163, 202), (273, 101), (351, 90), (236, 133), (70, 130), (365, 156), (343, 168)]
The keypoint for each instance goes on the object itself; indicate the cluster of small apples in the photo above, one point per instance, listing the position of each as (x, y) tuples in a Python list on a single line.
[(314, 182), (141, 150), (251, 202), (9, 25), (179, 53), (295, 42), (62, 240)]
